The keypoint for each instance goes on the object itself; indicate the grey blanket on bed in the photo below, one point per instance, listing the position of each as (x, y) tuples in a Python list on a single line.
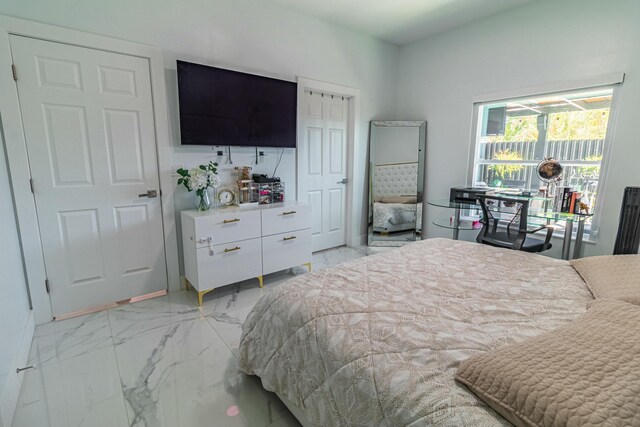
[(376, 341)]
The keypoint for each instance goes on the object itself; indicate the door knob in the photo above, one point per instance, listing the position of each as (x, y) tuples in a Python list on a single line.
[(344, 181), (150, 194)]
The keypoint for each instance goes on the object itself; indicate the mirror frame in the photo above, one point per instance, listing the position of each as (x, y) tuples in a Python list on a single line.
[(422, 157)]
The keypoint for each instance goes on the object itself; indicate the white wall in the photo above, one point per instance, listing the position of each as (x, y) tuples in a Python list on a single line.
[(246, 35), (543, 42), (16, 321)]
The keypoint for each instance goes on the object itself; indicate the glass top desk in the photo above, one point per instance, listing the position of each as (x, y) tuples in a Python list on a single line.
[(537, 216)]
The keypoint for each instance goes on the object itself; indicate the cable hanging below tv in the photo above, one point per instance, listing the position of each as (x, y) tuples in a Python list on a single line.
[(221, 107)]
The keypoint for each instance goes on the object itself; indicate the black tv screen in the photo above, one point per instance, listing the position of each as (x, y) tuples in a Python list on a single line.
[(224, 107)]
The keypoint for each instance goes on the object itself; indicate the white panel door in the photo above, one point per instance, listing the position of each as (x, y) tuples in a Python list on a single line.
[(322, 165), (89, 127)]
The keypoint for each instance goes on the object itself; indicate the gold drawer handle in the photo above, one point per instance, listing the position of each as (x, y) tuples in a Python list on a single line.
[(228, 221), (289, 238), (237, 248), (288, 213)]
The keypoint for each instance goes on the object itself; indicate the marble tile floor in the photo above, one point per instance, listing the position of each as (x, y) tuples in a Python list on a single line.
[(158, 362)]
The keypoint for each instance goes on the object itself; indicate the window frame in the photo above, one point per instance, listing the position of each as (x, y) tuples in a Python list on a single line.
[(613, 80)]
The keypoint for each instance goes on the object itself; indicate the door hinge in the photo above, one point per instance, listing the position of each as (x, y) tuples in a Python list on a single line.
[(46, 285), (31, 186), (14, 72)]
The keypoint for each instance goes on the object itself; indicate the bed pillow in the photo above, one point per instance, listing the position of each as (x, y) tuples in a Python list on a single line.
[(612, 276), (585, 373), (399, 199)]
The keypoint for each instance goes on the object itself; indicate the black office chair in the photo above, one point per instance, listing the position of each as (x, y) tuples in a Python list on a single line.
[(513, 233)]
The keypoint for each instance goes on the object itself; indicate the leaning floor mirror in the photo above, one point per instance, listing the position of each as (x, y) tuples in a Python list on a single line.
[(396, 181)]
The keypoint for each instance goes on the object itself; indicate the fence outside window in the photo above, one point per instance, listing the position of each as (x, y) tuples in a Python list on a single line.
[(580, 158)]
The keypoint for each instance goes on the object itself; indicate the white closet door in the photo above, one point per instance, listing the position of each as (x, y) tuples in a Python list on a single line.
[(89, 127), (322, 165)]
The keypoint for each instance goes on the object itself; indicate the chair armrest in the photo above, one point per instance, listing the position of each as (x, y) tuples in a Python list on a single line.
[(547, 239)]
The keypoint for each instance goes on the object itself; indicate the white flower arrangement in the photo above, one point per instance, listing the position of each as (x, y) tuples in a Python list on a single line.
[(199, 179)]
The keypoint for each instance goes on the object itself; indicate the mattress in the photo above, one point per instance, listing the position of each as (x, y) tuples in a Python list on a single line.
[(376, 341)]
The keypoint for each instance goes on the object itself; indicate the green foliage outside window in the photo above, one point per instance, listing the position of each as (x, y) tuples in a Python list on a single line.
[(517, 129), (502, 171), (577, 125), (593, 171), (563, 126)]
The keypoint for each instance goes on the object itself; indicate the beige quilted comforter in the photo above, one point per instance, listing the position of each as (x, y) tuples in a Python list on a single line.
[(377, 341)]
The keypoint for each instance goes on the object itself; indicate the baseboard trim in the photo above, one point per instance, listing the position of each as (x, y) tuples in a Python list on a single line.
[(14, 381)]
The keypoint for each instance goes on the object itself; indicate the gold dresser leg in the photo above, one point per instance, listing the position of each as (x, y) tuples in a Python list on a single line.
[(308, 264), (261, 280), (186, 284), (201, 294)]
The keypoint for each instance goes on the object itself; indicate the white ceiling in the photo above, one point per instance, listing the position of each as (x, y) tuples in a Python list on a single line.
[(402, 21)]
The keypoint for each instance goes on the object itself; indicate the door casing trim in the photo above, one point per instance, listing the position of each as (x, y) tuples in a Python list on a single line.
[(19, 170), (353, 220)]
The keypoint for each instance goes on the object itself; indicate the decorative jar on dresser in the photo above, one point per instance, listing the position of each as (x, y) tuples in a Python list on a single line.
[(225, 246)]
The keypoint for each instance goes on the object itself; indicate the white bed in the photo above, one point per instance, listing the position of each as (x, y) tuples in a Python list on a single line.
[(376, 341)]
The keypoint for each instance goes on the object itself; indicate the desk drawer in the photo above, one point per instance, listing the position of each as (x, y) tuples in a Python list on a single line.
[(233, 262), (286, 250), (285, 219), (225, 228)]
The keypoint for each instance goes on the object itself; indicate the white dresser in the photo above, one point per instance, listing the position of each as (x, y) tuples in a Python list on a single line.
[(225, 246)]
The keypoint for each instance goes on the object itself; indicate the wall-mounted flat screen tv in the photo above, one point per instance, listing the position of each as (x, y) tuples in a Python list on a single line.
[(224, 107)]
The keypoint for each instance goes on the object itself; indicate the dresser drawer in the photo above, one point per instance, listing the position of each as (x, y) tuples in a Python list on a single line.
[(285, 219), (286, 250), (227, 227), (233, 262)]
